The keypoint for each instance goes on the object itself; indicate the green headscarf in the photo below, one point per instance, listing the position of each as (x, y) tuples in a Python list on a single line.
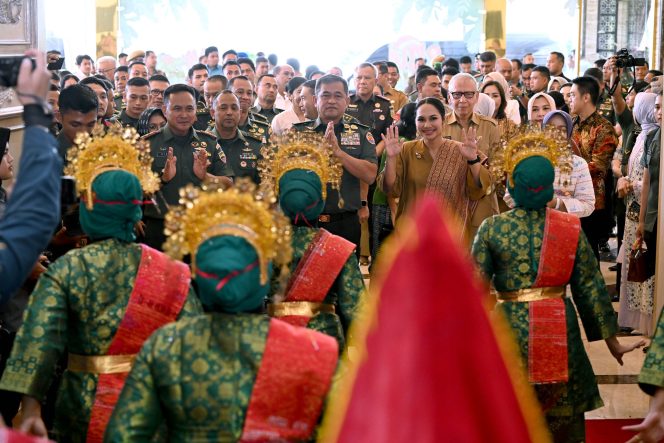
[(228, 275), (533, 183), (117, 207), (301, 195)]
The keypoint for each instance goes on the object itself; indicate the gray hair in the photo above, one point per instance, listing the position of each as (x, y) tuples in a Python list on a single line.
[(461, 76)]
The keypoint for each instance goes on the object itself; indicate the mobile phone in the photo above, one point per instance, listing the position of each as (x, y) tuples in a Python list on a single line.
[(10, 65)]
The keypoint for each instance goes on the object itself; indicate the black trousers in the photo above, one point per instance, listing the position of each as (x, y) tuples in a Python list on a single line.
[(346, 225), (594, 226)]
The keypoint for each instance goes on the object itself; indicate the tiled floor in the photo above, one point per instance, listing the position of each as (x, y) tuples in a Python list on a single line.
[(617, 384)]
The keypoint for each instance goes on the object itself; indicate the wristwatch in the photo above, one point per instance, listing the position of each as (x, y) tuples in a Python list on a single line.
[(472, 162), (363, 203)]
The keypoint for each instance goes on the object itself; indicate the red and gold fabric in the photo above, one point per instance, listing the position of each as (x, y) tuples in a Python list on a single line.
[(313, 277), (160, 291), (294, 376), (547, 338)]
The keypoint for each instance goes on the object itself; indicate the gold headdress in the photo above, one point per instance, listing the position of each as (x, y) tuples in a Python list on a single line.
[(530, 141), (241, 211), (118, 149), (300, 150)]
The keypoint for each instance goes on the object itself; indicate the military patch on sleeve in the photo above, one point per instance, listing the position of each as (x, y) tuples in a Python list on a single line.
[(370, 138)]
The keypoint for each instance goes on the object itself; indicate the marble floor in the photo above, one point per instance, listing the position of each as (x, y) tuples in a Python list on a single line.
[(617, 384)]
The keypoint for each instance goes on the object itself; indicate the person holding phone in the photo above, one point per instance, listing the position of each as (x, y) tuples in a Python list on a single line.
[(33, 211)]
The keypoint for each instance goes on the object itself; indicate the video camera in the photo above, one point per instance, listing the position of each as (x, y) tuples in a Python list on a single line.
[(625, 60)]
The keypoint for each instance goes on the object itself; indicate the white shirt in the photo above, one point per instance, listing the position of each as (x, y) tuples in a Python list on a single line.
[(284, 121), (282, 102), (578, 195)]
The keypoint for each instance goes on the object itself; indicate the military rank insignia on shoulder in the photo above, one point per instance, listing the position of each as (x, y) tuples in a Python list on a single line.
[(150, 134), (209, 134)]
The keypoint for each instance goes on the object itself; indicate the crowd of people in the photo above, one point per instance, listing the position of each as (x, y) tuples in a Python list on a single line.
[(215, 248)]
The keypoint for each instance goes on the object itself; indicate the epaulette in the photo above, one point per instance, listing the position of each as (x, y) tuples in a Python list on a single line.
[(383, 98), (209, 134), (150, 134)]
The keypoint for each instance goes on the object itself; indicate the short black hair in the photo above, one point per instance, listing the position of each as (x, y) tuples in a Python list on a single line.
[(80, 58), (488, 56), (294, 83), (55, 76), (527, 66), (196, 67), (544, 70), (311, 84), (220, 93), (178, 87), (261, 60), (599, 63), (219, 78), (449, 71), (148, 53), (655, 72), (588, 85), (138, 81), (273, 59), (519, 63), (237, 78), (246, 61), (595, 73), (260, 79), (53, 87), (94, 80), (158, 78), (451, 63), (66, 77), (381, 67), (559, 56), (392, 65), (229, 63), (78, 98), (329, 79), (121, 69), (310, 70), (294, 63), (465, 60), (210, 49), (230, 51), (423, 74), (122, 54), (136, 62)]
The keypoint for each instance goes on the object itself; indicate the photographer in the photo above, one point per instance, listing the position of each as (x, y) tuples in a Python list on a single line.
[(33, 210)]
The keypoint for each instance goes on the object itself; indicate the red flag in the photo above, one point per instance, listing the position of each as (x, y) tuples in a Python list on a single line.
[(431, 367)]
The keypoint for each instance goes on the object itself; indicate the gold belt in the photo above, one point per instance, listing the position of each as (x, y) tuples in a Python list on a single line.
[(100, 364), (532, 294), (300, 308)]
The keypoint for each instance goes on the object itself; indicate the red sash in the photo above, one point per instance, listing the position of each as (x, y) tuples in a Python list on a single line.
[(8, 435), (314, 275), (547, 337), (160, 290), (294, 377)]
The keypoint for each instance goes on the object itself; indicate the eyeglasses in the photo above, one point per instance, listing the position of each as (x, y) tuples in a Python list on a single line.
[(467, 94), (156, 92)]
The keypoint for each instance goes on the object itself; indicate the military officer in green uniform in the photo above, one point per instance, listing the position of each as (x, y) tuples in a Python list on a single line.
[(182, 155), (266, 91), (354, 145), (368, 108), (120, 76), (137, 97), (241, 151), (254, 125)]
